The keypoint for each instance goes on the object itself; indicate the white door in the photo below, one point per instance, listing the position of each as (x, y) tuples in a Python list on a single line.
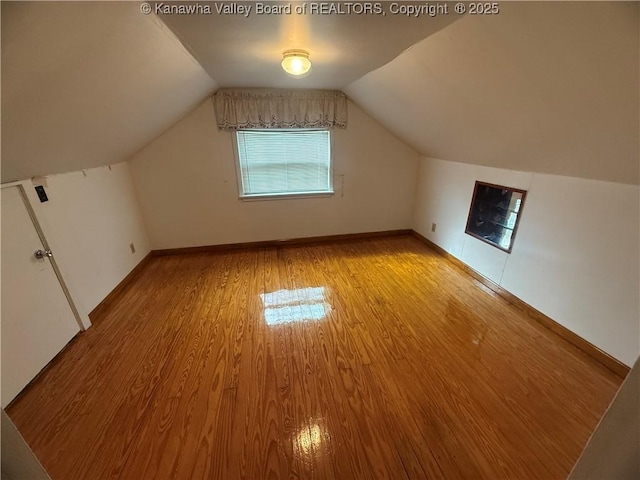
[(37, 320)]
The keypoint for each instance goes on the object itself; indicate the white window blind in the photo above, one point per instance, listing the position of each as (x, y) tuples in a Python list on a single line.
[(280, 162)]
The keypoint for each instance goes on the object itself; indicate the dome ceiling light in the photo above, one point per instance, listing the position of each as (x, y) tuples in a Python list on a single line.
[(296, 62)]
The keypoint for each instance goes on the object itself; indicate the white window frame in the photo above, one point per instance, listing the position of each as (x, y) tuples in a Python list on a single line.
[(281, 196)]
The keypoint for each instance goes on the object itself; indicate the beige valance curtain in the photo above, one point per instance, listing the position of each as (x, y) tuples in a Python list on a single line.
[(238, 109)]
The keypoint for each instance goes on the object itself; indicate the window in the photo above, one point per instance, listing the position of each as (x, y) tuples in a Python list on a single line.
[(284, 162), (494, 214)]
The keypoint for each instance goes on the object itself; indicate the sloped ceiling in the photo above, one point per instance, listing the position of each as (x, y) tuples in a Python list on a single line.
[(88, 83), (241, 51), (547, 87), (543, 86)]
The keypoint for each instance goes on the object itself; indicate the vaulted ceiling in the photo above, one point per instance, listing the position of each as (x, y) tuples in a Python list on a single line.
[(241, 51), (547, 87), (87, 84)]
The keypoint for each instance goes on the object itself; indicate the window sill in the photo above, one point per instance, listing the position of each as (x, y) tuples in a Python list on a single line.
[(284, 196)]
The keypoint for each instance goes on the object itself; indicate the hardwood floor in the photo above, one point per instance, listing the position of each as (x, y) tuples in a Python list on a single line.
[(367, 360)]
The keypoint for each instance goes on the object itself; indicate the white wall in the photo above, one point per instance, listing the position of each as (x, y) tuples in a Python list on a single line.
[(575, 256), (613, 451), (18, 461), (186, 180), (89, 221)]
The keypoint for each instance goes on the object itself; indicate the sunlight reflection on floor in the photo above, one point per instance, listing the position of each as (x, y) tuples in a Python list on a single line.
[(299, 305)]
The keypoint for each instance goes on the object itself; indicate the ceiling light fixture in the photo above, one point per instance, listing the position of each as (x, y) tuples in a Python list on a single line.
[(296, 62)]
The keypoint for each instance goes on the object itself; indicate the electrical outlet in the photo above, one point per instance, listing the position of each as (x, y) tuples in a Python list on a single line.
[(433, 227), (132, 247)]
